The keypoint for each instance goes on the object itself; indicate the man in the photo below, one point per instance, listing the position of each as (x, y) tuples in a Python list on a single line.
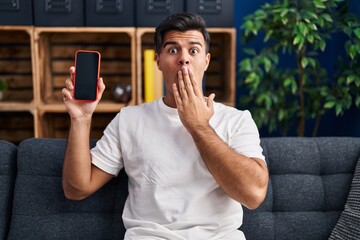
[(191, 162)]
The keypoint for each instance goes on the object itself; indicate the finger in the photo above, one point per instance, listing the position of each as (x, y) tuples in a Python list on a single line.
[(101, 87), (210, 101), (187, 81), (69, 84), (196, 89), (72, 73), (177, 97), (66, 94), (182, 89)]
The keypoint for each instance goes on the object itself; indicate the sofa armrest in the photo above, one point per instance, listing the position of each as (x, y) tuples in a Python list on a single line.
[(310, 179), (40, 209), (7, 181)]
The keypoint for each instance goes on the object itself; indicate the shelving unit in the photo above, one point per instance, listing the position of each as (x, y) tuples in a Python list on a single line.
[(17, 69), (220, 76), (35, 61), (56, 124), (54, 52)]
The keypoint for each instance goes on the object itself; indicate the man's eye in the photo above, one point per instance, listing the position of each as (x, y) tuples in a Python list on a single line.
[(173, 50), (194, 51)]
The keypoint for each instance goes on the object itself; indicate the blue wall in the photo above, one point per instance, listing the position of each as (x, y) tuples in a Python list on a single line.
[(346, 125)]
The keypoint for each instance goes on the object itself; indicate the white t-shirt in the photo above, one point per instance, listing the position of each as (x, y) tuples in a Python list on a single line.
[(172, 195)]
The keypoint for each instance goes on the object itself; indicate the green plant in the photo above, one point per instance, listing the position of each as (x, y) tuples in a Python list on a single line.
[(297, 31), (3, 85)]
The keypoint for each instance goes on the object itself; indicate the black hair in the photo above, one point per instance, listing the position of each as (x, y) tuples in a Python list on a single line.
[(180, 22)]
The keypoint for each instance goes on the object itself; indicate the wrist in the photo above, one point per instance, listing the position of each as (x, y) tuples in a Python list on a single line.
[(202, 131), (81, 121)]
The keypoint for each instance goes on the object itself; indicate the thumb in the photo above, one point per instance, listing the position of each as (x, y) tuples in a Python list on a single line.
[(210, 101), (101, 87)]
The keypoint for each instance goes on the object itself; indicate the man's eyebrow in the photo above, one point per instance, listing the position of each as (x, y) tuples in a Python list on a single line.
[(196, 43), (169, 43), (175, 43)]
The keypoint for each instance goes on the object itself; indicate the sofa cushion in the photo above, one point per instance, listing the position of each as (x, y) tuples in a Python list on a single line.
[(348, 226), (310, 179), (7, 181), (40, 209)]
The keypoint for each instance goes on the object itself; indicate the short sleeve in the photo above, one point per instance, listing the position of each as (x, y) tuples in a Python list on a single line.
[(246, 139), (106, 155)]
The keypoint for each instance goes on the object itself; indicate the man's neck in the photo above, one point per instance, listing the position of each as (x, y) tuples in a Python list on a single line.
[(169, 101)]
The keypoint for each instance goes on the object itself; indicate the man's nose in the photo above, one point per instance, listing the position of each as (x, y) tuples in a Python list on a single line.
[(184, 60)]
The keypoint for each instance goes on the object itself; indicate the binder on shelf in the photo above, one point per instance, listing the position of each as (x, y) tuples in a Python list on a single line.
[(149, 13), (153, 79), (16, 12), (217, 13)]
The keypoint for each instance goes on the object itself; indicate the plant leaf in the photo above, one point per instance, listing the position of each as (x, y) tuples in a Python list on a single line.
[(312, 62), (319, 4), (327, 17), (245, 65), (297, 40), (350, 79), (357, 101), (338, 109), (322, 45), (304, 62), (250, 51), (357, 32), (329, 105), (310, 38), (267, 64), (303, 29), (352, 51)]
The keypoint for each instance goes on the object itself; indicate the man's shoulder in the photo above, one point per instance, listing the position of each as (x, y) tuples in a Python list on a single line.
[(231, 115), (221, 108)]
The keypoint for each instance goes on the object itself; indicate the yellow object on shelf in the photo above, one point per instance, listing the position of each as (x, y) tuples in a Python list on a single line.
[(153, 78), (149, 75)]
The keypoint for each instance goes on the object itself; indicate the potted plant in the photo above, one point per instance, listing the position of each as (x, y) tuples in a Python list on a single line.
[(3, 87), (296, 32)]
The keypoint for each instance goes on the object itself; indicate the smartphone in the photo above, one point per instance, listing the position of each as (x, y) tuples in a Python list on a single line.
[(87, 71)]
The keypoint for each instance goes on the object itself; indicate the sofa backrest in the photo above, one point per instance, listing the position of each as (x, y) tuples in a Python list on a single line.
[(7, 181), (40, 209), (310, 179), (309, 183)]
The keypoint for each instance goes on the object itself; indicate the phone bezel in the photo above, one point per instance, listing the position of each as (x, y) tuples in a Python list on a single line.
[(98, 73)]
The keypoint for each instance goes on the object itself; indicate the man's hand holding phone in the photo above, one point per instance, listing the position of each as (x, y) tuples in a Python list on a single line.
[(84, 88)]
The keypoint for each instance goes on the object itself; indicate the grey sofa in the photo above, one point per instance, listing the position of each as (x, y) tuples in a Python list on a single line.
[(310, 179)]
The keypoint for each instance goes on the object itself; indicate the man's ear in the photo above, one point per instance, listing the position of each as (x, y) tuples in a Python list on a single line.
[(208, 57), (157, 59)]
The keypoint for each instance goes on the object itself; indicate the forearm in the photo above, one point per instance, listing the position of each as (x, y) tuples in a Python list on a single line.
[(243, 179), (77, 162)]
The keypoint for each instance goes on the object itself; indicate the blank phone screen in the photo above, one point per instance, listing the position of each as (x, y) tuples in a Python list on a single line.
[(86, 75)]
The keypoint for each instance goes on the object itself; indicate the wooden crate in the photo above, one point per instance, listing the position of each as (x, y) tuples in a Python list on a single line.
[(56, 125), (56, 49), (16, 66), (220, 75), (16, 126)]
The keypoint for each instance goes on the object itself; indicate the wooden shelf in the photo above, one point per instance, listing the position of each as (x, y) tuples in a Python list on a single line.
[(16, 106), (17, 64), (17, 125), (56, 124), (220, 76), (35, 62), (103, 106), (54, 52)]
